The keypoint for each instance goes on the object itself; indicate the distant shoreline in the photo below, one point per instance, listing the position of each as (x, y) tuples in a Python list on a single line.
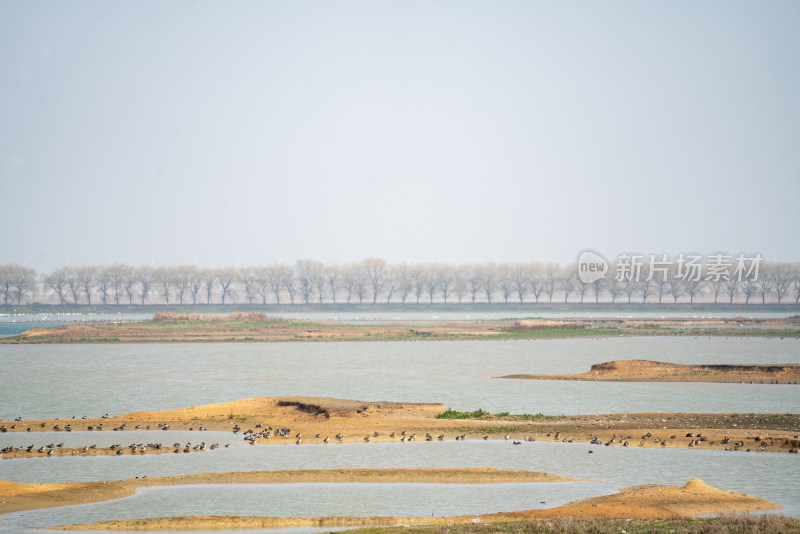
[(398, 307), (240, 327)]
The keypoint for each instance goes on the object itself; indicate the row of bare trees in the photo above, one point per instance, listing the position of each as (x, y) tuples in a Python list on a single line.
[(373, 280)]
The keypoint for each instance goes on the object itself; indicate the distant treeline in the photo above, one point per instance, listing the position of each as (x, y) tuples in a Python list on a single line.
[(373, 280)]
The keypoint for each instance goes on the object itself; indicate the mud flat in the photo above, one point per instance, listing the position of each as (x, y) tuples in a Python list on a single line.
[(304, 420), (650, 501), (241, 327), (650, 371)]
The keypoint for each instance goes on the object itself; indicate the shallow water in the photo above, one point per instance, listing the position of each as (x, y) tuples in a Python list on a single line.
[(49, 381), (768, 475)]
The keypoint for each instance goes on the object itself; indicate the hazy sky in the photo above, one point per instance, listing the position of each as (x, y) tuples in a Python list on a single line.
[(248, 133)]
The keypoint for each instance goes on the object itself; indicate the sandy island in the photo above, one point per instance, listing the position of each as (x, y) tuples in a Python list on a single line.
[(17, 496), (254, 326), (650, 371), (650, 501), (314, 420)]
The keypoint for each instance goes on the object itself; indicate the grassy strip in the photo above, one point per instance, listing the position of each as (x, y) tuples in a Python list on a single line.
[(734, 523)]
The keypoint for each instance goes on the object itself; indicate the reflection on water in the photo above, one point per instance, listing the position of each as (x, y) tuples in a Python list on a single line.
[(46, 381)]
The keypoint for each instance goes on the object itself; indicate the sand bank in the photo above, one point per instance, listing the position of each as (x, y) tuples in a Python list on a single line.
[(17, 496), (649, 501), (260, 419), (650, 371), (239, 327)]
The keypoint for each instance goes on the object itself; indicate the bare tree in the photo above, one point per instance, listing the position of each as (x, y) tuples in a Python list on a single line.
[(6, 282), (181, 280), (694, 287), (796, 282), (389, 285), (248, 280), (194, 282), (104, 283), (352, 281), (765, 285), (748, 288), (163, 281), (117, 275), (360, 282), (630, 286), (472, 276), (717, 286), (23, 280), (459, 282), (597, 288), (304, 275), (674, 283), (535, 280), (569, 282), (504, 281), (488, 277), (73, 283), (129, 282), (208, 280), (431, 284), (520, 276), (418, 277), (87, 277), (277, 277), (402, 280), (318, 275), (613, 287), (549, 282), (731, 288), (375, 271), (57, 282), (333, 279), (225, 279), (145, 277), (445, 279), (781, 274)]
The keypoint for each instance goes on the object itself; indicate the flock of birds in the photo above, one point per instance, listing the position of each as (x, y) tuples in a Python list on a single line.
[(260, 432)]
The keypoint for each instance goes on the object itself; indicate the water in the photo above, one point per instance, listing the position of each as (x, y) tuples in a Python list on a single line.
[(47, 381), (769, 475), (12, 324)]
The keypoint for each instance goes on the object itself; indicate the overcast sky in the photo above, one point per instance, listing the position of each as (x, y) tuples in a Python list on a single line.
[(249, 133)]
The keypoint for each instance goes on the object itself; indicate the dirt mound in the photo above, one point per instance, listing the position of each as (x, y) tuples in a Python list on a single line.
[(328, 407), (274, 407)]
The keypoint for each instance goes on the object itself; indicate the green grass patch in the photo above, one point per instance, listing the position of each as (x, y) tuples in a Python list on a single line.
[(452, 414)]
